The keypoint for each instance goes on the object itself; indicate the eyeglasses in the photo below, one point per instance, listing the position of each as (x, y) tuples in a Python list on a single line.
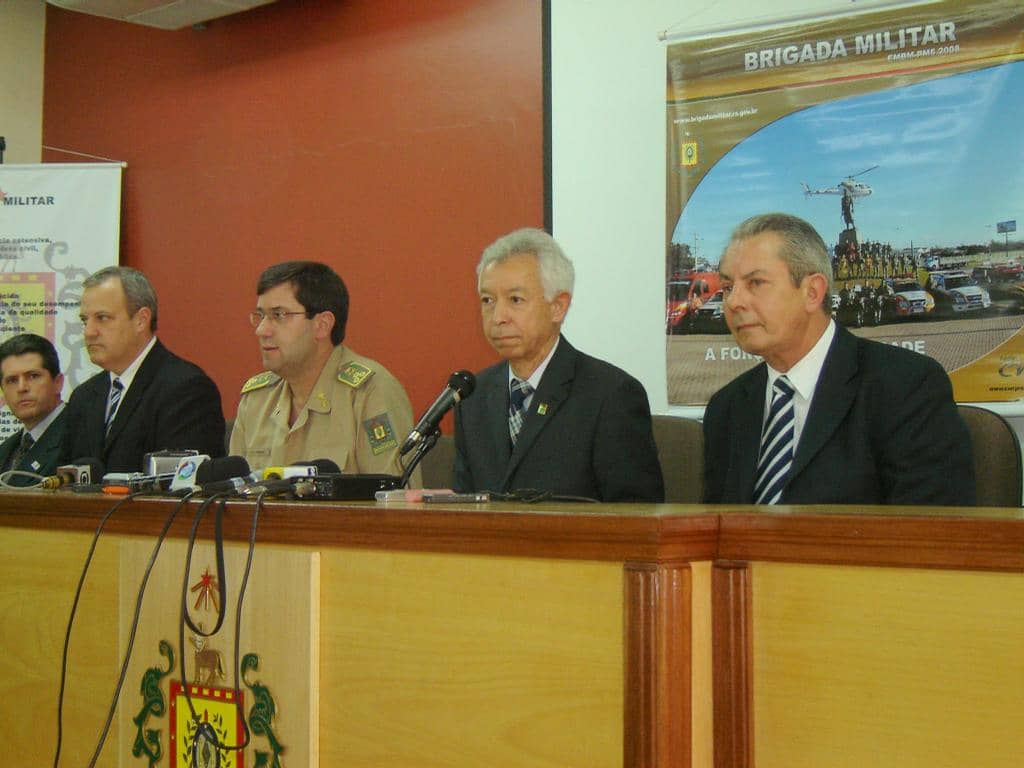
[(276, 316)]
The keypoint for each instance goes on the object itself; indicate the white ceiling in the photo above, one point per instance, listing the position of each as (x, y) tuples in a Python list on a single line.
[(164, 14)]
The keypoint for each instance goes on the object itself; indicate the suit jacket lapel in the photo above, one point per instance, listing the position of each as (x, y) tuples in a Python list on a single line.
[(833, 397), (97, 390), (496, 408), (554, 389), (749, 421), (130, 402)]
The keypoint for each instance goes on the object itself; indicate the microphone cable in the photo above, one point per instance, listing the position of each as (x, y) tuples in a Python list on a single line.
[(221, 569), (204, 728), (71, 620), (135, 622), (11, 473), (535, 495)]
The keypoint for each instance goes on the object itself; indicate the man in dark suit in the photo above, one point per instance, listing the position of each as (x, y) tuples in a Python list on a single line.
[(548, 418), (146, 399), (827, 418), (32, 382)]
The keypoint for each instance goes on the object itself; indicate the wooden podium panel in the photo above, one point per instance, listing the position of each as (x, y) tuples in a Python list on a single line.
[(470, 660), (38, 574), (892, 668), (448, 637), (589, 635)]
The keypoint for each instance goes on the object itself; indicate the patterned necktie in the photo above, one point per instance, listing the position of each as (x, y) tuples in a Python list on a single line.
[(516, 407), (776, 445), (116, 388), (19, 453)]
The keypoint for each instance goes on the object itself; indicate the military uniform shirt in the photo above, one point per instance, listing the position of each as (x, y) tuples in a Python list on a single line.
[(357, 415)]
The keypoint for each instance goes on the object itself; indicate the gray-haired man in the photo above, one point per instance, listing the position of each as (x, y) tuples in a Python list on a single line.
[(548, 417)]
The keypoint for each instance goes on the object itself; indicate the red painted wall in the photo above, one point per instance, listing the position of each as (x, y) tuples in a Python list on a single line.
[(390, 140)]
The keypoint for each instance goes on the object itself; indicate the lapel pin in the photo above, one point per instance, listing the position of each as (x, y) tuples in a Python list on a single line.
[(542, 409)]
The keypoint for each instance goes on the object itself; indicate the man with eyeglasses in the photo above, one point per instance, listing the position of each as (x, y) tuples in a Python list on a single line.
[(146, 399), (317, 399)]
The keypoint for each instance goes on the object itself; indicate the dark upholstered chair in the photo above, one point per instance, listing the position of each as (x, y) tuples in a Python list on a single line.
[(680, 444), (997, 460), (438, 464)]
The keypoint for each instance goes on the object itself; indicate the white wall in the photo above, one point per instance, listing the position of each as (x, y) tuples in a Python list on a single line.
[(22, 29), (608, 164)]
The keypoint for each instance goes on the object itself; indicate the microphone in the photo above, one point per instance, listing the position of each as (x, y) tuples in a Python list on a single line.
[(83, 471), (298, 469), (460, 385), (274, 480), (224, 475), (323, 466), (231, 474), (155, 483), (182, 479)]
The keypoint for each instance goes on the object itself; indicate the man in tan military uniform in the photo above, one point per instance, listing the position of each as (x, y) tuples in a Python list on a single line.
[(317, 399)]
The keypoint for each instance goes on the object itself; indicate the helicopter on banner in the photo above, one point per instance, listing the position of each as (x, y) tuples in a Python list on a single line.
[(849, 188)]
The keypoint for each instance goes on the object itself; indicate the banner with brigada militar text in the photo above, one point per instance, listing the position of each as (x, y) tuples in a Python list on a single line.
[(899, 135)]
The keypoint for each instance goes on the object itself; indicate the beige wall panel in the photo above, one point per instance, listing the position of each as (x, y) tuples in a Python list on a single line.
[(22, 31), (38, 575), (887, 667), (441, 660)]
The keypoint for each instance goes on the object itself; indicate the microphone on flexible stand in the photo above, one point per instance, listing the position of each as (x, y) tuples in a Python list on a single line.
[(460, 385), (427, 432), (422, 449)]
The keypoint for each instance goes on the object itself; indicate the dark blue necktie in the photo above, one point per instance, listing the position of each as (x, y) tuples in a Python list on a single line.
[(116, 387), (517, 407), (776, 445)]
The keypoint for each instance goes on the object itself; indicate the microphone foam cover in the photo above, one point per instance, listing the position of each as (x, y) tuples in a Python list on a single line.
[(462, 382), (224, 468)]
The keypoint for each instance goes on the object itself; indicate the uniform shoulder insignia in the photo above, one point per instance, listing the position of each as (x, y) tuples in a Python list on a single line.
[(259, 381), (354, 374)]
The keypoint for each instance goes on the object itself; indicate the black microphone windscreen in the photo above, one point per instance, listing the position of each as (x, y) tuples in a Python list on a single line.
[(462, 382), (224, 468)]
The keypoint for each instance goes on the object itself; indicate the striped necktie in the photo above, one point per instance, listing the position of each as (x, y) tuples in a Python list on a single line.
[(24, 446), (776, 445), (116, 388), (516, 407)]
